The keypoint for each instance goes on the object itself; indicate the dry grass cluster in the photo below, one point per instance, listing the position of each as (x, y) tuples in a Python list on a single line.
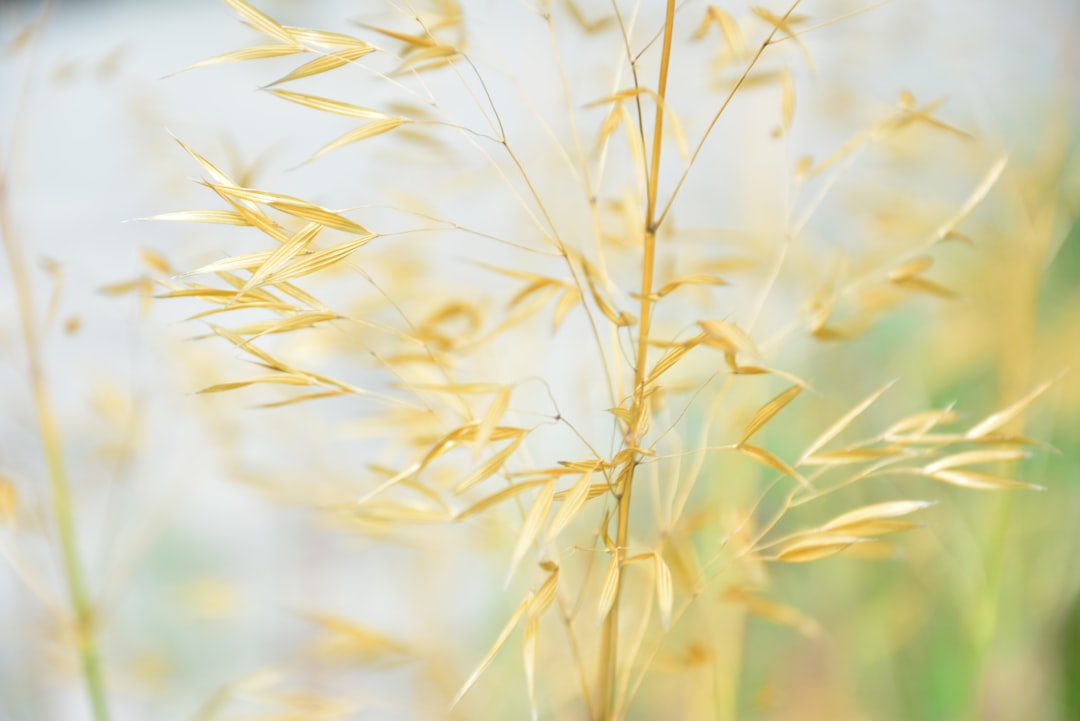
[(572, 308)]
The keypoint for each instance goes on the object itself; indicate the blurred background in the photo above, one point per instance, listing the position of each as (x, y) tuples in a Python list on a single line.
[(216, 578)]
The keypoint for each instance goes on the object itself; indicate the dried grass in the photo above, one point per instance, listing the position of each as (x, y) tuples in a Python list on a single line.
[(592, 284), (666, 356)]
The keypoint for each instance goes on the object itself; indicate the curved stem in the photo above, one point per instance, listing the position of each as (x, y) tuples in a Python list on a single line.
[(82, 610)]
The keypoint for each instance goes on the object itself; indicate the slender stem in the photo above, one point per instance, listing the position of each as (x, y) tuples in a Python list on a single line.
[(658, 127), (567, 616), (769, 40), (609, 643), (84, 621), (85, 631)]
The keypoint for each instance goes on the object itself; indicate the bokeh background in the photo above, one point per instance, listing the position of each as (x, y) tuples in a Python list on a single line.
[(202, 551)]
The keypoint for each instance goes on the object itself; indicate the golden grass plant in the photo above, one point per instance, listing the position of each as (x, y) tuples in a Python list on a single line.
[(645, 463), (541, 288)]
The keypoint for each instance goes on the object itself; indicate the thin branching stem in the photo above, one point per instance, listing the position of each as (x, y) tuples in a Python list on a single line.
[(586, 179), (769, 40), (632, 60), (561, 246), (831, 21)]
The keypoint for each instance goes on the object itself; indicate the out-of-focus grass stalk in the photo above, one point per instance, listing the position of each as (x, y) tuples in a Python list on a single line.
[(1015, 360), (82, 611)]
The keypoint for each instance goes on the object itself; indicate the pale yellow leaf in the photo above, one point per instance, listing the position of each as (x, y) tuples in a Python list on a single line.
[(345, 641), (293, 206), (544, 597), (308, 211), (911, 268), (257, 52), (289, 323), (787, 100), (466, 433), (776, 612), (248, 261), (584, 23), (8, 500), (154, 260), (698, 279), (728, 28), (327, 105), (970, 458), (978, 480), (877, 519), (618, 97), (703, 26), (489, 467), (850, 456), (610, 586), (282, 255), (303, 398), (417, 41), (572, 504), (872, 549), (595, 490), (665, 590), (276, 378), (528, 648), (428, 58), (611, 123), (837, 428), (543, 285), (261, 21), (803, 166), (323, 38), (981, 191), (919, 424), (222, 217), (815, 548), (253, 214), (325, 63), (499, 642), (494, 414), (534, 521), (496, 498), (398, 513), (925, 285), (362, 133), (567, 301), (767, 411), (593, 280), (313, 262), (212, 170), (670, 358), (727, 337), (766, 458), (995, 421), (452, 388)]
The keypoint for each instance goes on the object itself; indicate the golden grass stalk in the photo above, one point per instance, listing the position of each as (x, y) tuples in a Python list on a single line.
[(455, 410), (609, 643)]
